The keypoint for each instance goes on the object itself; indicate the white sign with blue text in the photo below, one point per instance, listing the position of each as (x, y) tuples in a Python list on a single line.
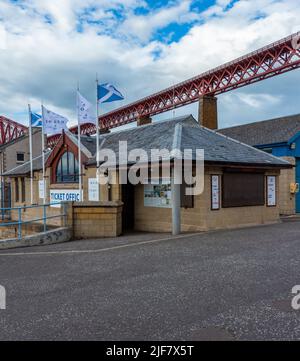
[(64, 195), (93, 190)]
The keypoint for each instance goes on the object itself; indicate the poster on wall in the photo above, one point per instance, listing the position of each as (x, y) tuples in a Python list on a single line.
[(93, 190), (271, 191), (215, 192), (41, 189), (64, 195), (158, 195)]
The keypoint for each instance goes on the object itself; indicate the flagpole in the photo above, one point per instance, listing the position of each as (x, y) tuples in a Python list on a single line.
[(97, 131), (79, 148), (43, 154), (31, 156)]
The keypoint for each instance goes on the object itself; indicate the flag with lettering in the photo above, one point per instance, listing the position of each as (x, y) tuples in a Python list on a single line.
[(85, 110), (53, 123)]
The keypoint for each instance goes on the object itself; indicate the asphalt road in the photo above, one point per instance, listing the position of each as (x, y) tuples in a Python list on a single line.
[(223, 285)]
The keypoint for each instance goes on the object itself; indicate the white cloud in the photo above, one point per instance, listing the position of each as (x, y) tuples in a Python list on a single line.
[(143, 26), (3, 43), (45, 60), (259, 100)]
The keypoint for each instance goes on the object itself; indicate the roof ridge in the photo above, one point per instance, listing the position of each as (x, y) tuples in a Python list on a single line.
[(260, 122), (177, 137), (247, 145), (182, 117), (75, 139)]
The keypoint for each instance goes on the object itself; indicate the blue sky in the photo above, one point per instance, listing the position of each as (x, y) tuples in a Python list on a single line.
[(141, 46)]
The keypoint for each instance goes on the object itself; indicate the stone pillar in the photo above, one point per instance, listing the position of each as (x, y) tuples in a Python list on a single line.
[(175, 189), (144, 120), (208, 112)]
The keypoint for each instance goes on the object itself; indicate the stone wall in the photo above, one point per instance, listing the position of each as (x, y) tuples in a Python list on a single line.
[(201, 217), (8, 156), (51, 237), (90, 220), (287, 201), (27, 229)]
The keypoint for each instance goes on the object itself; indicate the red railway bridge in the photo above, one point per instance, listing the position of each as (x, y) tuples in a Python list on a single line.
[(274, 59)]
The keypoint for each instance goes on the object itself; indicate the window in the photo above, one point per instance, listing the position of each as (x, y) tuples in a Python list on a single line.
[(23, 189), (67, 170), (17, 195), (243, 189), (20, 157)]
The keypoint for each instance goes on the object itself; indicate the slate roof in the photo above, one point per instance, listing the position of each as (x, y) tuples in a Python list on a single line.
[(217, 147), (24, 168), (279, 130), (181, 133)]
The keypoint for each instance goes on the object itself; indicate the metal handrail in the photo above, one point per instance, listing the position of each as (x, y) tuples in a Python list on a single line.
[(20, 222), (32, 206)]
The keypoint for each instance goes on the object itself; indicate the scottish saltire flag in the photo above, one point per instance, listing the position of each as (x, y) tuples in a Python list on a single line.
[(36, 120), (85, 110), (108, 93), (53, 123)]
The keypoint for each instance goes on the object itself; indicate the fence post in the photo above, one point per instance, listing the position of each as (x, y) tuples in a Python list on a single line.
[(19, 223), (63, 212), (45, 218)]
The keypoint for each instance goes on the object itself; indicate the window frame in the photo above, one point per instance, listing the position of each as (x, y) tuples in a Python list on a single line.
[(62, 177), (23, 154)]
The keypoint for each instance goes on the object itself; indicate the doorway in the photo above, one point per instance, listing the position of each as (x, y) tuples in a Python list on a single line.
[(128, 207)]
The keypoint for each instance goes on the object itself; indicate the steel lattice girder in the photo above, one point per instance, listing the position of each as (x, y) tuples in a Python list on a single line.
[(272, 60), (10, 130)]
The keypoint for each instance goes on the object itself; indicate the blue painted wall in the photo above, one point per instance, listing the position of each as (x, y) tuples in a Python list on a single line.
[(285, 150)]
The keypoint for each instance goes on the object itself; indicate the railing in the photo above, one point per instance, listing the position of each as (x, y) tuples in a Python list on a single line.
[(19, 222)]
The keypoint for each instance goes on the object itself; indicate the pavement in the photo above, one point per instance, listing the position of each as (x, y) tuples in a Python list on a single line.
[(223, 285)]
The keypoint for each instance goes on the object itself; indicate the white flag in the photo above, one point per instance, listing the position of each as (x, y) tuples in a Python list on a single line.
[(85, 110), (53, 123)]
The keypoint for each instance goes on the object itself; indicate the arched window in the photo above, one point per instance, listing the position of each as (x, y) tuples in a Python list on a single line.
[(67, 170)]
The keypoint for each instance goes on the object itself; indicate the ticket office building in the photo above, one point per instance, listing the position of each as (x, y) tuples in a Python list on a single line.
[(241, 185)]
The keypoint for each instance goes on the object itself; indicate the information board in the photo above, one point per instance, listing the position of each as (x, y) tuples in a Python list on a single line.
[(93, 190), (215, 192), (271, 191), (158, 195)]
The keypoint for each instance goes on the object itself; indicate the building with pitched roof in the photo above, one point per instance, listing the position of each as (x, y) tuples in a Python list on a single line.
[(279, 137), (240, 182), (13, 154)]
